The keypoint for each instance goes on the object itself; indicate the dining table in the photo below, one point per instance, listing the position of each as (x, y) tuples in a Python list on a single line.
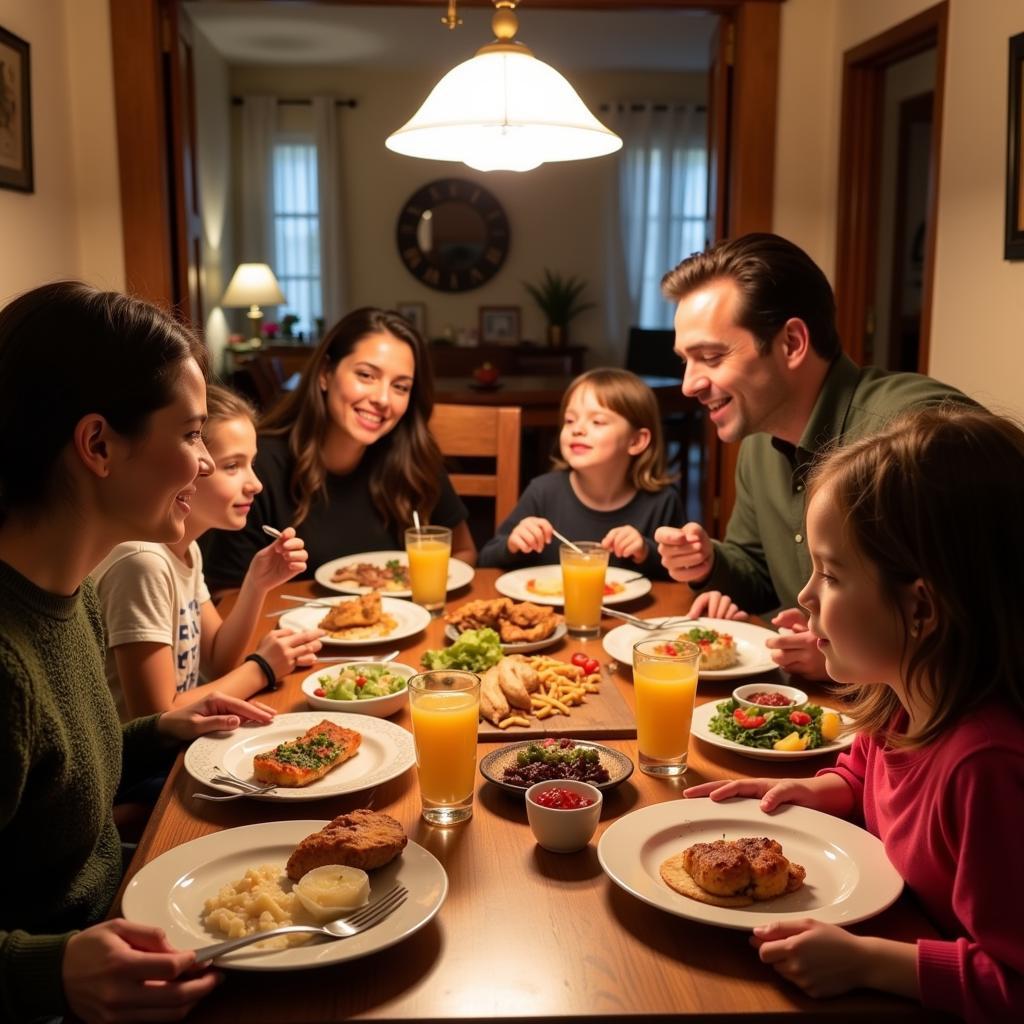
[(523, 934)]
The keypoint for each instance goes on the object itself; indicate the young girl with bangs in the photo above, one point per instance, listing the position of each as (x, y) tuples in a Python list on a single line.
[(914, 534), (347, 457), (609, 485), (162, 627)]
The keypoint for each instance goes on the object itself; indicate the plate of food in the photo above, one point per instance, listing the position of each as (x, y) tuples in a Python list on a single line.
[(729, 649), (359, 688), (732, 865), (203, 890), (309, 755), (771, 733), (384, 571), (542, 584), (522, 626), (515, 767), (357, 621)]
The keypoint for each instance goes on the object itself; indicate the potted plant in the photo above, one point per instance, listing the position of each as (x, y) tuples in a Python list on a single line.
[(558, 298)]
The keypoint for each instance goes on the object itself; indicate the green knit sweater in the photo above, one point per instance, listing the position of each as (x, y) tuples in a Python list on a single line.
[(62, 754)]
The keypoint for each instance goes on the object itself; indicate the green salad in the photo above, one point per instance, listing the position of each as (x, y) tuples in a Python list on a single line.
[(475, 651), (360, 682), (785, 729)]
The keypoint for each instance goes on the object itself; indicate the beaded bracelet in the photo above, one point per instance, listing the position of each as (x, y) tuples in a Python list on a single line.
[(265, 668)]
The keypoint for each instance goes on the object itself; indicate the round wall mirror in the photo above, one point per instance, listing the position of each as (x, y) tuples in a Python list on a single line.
[(453, 235)]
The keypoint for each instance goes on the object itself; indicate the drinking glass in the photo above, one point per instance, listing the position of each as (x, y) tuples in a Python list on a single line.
[(665, 686), (445, 708), (583, 587), (429, 548)]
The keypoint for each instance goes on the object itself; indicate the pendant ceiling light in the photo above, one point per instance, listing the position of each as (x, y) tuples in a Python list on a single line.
[(503, 110)]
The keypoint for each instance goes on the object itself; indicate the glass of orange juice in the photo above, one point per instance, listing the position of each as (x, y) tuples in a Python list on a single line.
[(583, 586), (445, 710), (665, 686), (429, 548)]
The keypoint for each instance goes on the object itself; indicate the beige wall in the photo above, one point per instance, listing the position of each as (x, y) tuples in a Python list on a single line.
[(71, 225), (556, 213), (979, 297)]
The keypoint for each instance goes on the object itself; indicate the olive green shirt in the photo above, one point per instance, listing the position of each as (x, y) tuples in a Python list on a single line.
[(763, 563)]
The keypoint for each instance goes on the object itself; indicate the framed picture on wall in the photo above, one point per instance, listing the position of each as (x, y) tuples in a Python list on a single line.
[(499, 325), (15, 114), (415, 313), (1014, 248)]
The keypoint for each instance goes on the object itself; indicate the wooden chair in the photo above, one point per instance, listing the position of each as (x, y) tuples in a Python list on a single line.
[(468, 431)]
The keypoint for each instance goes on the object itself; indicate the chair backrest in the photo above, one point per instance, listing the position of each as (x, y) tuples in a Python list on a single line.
[(470, 431)]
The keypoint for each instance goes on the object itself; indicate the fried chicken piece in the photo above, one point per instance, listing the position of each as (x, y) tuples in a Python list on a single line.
[(769, 869), (361, 611), (795, 877), (719, 867), (479, 614), (309, 757), (363, 839), (526, 622), (493, 704)]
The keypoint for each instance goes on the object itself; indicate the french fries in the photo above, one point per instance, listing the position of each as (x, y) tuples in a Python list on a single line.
[(563, 687)]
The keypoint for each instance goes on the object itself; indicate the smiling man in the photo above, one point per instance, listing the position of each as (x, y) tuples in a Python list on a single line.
[(755, 327)]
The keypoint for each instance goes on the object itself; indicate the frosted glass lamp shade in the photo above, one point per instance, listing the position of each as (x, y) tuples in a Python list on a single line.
[(253, 284)]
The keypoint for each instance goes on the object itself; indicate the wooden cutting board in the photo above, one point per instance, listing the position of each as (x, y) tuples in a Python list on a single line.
[(605, 715)]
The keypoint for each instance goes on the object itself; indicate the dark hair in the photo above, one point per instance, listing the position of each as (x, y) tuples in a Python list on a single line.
[(910, 495), (777, 281), (626, 394), (406, 463), (67, 350)]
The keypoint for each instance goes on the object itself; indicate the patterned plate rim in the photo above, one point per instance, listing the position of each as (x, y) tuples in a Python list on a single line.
[(617, 758)]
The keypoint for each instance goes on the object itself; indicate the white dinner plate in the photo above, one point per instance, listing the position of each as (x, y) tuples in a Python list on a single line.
[(410, 619), (514, 584), (459, 573), (169, 893), (452, 633), (703, 714), (754, 656), (849, 877), (385, 753)]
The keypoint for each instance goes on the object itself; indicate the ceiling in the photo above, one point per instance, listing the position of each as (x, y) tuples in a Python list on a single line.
[(383, 36)]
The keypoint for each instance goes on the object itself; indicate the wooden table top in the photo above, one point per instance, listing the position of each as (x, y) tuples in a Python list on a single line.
[(524, 934)]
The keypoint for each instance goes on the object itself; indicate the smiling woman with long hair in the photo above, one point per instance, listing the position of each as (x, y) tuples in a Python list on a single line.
[(348, 456)]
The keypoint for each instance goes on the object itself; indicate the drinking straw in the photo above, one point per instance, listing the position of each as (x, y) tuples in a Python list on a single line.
[(416, 519), (566, 541), (269, 530)]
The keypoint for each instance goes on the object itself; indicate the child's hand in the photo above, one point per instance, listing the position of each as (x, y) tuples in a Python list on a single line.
[(795, 649), (773, 793), (218, 712), (532, 534), (285, 650), (626, 542), (278, 562), (822, 959), (686, 552), (715, 605)]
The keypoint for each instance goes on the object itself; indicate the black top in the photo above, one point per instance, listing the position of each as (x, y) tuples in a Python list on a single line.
[(551, 496), (346, 523)]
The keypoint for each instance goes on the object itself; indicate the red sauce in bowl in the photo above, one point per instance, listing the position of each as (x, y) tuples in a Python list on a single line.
[(770, 699), (562, 799)]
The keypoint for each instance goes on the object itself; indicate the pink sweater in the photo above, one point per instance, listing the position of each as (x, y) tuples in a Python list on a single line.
[(950, 817)]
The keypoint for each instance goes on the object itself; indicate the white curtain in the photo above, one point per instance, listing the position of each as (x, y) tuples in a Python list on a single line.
[(259, 123), (661, 210), (332, 267)]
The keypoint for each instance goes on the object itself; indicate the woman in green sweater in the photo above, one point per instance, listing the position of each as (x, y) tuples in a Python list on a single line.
[(102, 400)]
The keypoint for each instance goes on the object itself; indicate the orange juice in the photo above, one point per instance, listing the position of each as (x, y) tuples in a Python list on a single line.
[(583, 574), (665, 693), (444, 727), (428, 571)]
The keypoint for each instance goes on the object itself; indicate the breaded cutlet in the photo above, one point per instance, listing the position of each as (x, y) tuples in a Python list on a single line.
[(362, 839)]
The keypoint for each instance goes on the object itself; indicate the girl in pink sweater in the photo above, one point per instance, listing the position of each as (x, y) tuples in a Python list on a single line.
[(917, 602)]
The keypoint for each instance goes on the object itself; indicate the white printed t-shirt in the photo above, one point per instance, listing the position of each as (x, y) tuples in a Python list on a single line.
[(150, 596)]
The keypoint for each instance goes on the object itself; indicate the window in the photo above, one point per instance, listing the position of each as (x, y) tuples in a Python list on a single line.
[(297, 231)]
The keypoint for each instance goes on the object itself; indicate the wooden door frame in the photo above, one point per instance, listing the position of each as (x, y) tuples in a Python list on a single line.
[(864, 68)]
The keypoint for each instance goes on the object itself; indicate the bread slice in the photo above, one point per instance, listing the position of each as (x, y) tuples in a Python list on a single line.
[(309, 757)]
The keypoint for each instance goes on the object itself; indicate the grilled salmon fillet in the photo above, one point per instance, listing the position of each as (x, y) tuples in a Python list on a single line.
[(307, 758), (363, 839)]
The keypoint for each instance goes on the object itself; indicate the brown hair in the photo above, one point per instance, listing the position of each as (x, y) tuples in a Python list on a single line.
[(777, 280), (937, 496), (67, 350), (223, 404), (626, 394), (406, 463)]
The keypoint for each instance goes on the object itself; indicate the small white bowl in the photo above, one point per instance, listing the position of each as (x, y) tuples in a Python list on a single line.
[(563, 831), (379, 707), (742, 695)]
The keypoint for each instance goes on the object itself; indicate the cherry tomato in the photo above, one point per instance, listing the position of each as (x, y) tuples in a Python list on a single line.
[(360, 682), (580, 658), (591, 666), (745, 721), (319, 692), (799, 718)]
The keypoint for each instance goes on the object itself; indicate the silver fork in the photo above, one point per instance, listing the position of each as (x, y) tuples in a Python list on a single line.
[(233, 796), (344, 928), (644, 623)]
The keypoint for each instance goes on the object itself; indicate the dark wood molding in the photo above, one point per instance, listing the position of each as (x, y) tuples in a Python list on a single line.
[(711, 6)]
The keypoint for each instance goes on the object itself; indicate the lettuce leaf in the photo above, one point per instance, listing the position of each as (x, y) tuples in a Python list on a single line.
[(475, 651)]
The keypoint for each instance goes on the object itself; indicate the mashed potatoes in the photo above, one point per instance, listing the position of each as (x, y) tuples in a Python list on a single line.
[(256, 903)]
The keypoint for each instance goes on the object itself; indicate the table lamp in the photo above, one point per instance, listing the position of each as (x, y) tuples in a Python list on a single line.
[(253, 285)]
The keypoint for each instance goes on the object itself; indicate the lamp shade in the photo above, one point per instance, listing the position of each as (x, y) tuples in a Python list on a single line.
[(503, 110), (253, 284)]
